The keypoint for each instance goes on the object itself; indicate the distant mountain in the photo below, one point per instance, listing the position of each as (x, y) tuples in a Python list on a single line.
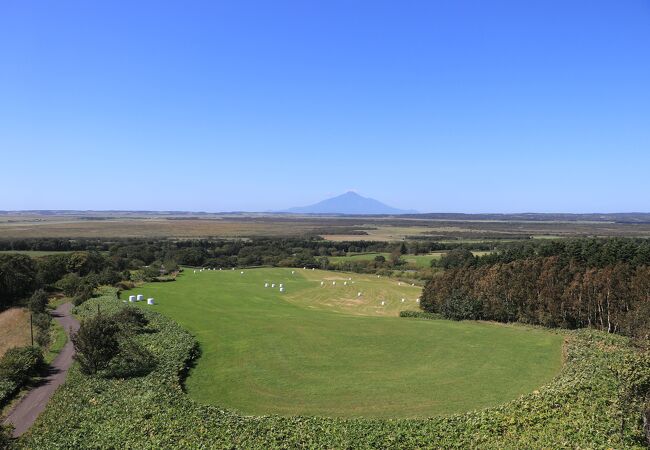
[(349, 203)]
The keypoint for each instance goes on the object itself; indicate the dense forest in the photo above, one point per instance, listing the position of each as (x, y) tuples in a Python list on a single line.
[(599, 283)]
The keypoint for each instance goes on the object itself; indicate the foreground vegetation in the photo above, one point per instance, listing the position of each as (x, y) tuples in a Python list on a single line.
[(322, 350), (591, 404)]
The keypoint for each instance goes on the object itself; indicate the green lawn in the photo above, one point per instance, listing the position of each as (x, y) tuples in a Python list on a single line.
[(419, 261), (316, 350)]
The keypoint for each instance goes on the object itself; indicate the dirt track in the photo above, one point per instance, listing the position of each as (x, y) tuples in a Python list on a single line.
[(23, 415)]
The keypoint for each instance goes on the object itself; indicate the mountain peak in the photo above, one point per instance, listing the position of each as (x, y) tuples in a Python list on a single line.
[(349, 203)]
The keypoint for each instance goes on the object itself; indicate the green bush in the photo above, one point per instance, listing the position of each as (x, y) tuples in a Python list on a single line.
[(461, 307), (420, 315), (38, 301), (96, 343), (130, 320), (19, 364), (580, 408)]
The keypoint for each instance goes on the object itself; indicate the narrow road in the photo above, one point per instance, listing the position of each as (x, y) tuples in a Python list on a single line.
[(23, 415)]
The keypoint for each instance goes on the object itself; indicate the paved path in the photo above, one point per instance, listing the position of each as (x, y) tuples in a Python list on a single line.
[(23, 415)]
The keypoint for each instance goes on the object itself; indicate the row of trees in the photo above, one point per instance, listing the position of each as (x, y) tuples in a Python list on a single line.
[(553, 291), (76, 274)]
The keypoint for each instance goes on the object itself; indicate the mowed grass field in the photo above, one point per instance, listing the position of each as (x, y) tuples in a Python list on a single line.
[(320, 350), (419, 261)]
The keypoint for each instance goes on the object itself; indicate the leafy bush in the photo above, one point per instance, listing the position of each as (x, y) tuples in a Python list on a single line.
[(130, 320), (461, 307), (132, 360), (579, 409), (38, 301), (420, 315), (5, 436), (96, 343), (42, 322), (19, 364)]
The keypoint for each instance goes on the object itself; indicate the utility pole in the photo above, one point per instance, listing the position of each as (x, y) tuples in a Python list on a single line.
[(31, 328)]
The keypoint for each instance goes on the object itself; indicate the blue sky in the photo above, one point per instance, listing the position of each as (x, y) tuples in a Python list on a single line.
[(452, 106)]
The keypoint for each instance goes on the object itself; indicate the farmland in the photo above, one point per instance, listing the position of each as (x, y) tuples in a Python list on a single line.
[(321, 350), (439, 227)]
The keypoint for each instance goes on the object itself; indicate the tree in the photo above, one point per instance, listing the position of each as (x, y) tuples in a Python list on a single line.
[(458, 257), (17, 278), (18, 364), (38, 301), (96, 343)]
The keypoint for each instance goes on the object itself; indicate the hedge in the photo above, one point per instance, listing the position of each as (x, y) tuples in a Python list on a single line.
[(17, 366), (592, 403), (421, 315)]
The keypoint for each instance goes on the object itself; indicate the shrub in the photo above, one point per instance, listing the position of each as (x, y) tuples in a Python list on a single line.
[(96, 343), (132, 360), (19, 364), (461, 307), (38, 301), (420, 315), (130, 320), (42, 322), (5, 436)]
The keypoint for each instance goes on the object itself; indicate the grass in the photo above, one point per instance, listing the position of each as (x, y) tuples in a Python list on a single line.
[(419, 261), (321, 351), (14, 329), (59, 338)]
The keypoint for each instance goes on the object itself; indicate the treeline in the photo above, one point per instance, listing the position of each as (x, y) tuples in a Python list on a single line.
[(604, 284), (77, 274)]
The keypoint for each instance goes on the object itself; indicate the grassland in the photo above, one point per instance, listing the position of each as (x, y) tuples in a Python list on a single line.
[(321, 350), (14, 329), (419, 261), (444, 227)]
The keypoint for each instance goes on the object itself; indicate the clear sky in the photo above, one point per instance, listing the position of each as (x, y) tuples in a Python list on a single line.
[(439, 106)]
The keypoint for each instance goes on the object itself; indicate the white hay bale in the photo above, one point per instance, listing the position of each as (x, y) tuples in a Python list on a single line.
[(383, 303), (402, 300), (242, 272), (378, 276), (333, 283), (273, 285), (312, 268), (140, 297), (345, 283), (399, 284), (150, 301), (131, 298), (281, 285), (292, 272), (304, 268), (412, 284), (350, 279), (418, 300), (266, 285), (281, 289), (358, 294), (322, 283)]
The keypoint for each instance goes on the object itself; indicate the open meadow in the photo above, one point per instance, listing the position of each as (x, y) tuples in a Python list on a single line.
[(323, 350)]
